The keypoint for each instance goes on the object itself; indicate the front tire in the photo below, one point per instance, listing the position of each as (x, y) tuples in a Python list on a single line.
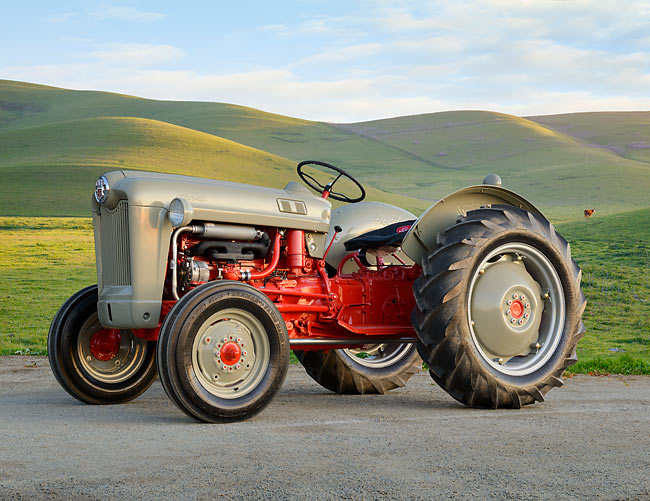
[(498, 308), (94, 364), (372, 369), (223, 352)]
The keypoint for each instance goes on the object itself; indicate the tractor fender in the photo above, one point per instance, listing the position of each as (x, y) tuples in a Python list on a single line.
[(422, 237)]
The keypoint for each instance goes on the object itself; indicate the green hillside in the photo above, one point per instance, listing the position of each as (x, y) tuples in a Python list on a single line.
[(411, 160), (625, 133), (57, 141), (558, 172)]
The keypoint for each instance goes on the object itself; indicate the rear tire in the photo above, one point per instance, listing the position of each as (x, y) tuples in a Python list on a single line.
[(388, 366), (111, 379), (223, 352), (485, 353)]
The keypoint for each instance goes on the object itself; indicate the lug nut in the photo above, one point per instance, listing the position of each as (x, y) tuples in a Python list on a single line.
[(245, 353), (515, 296), (523, 298), (508, 312), (526, 315), (513, 320), (225, 339), (521, 322), (527, 305), (239, 340), (509, 302), (224, 367), (238, 366), (207, 340)]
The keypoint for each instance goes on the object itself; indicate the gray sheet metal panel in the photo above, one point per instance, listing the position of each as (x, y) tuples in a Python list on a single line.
[(221, 200), (422, 236), (356, 219)]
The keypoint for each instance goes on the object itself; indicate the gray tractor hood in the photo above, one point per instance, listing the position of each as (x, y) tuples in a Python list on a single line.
[(292, 207)]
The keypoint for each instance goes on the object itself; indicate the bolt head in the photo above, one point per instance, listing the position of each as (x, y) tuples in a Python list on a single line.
[(523, 298), (527, 305), (526, 315), (508, 312), (538, 346), (515, 296), (513, 320), (546, 295), (501, 361), (509, 302), (224, 368), (521, 322)]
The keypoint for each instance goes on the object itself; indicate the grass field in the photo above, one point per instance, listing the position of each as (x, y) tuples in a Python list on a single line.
[(45, 260)]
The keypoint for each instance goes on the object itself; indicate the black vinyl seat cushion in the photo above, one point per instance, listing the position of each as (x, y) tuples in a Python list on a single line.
[(388, 236)]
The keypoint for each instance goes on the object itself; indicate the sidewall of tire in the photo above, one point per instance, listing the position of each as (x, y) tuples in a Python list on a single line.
[(564, 346), (177, 340), (64, 357)]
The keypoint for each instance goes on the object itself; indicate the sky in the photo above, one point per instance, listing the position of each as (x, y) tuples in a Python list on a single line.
[(342, 61)]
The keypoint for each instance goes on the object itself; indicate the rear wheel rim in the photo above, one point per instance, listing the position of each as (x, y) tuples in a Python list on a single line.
[(122, 363), (550, 309), (378, 356), (231, 353)]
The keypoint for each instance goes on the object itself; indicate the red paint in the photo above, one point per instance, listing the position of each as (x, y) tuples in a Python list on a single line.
[(516, 309), (372, 302), (105, 344), (403, 229), (296, 249), (230, 353)]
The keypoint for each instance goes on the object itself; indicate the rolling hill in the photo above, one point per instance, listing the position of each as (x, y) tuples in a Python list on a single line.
[(410, 161)]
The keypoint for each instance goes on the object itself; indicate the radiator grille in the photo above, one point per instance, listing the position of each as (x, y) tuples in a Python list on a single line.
[(116, 262)]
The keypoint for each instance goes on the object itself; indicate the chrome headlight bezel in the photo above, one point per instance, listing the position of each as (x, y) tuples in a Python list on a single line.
[(180, 212), (102, 189)]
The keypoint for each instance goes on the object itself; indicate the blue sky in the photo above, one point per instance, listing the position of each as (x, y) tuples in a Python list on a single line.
[(342, 61)]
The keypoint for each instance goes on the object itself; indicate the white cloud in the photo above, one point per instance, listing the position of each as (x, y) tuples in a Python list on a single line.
[(61, 18), (341, 54), (123, 13), (136, 55)]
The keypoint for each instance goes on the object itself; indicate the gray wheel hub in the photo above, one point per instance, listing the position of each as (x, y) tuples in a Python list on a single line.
[(516, 309), (231, 353)]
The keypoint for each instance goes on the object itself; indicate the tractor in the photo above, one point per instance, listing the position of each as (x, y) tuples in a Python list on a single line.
[(210, 284)]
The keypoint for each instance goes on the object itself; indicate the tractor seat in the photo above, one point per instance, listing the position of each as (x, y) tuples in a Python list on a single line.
[(388, 236)]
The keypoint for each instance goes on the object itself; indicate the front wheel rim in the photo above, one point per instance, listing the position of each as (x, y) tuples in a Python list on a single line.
[(231, 353), (547, 312), (120, 365)]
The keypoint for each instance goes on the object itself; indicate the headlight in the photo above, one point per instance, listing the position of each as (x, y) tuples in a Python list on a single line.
[(101, 190), (180, 212)]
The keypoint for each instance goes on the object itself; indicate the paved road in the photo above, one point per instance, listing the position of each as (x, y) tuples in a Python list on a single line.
[(590, 439)]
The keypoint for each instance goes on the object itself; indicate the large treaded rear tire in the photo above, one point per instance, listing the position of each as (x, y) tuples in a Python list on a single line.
[(341, 372), (442, 320)]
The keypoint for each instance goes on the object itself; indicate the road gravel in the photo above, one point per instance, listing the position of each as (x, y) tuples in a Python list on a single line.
[(589, 440)]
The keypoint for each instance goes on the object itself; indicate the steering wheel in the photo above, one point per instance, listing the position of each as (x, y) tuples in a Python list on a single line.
[(326, 191)]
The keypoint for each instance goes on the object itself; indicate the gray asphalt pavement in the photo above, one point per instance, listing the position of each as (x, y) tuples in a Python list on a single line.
[(589, 440)]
